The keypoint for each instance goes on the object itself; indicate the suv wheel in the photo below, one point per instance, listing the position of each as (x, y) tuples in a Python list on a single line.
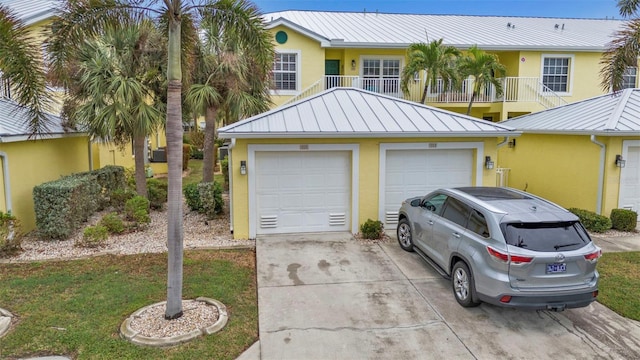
[(404, 235), (463, 285)]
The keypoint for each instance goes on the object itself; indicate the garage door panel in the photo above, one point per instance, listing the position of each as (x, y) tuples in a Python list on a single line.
[(410, 173), (303, 192), (629, 196)]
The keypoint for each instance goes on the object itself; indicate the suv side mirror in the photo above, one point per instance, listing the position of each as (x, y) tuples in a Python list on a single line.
[(415, 202)]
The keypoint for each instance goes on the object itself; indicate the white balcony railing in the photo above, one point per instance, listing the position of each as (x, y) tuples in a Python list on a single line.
[(515, 89)]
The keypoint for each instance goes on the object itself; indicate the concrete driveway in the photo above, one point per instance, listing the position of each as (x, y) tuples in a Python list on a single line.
[(326, 296)]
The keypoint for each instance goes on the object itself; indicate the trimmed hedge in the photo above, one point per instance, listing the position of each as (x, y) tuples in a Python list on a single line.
[(624, 219), (157, 193), (205, 198), (10, 233), (372, 229), (61, 206), (592, 221)]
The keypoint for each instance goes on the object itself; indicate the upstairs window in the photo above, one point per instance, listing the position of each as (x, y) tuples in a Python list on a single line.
[(556, 73), (629, 77), (286, 71)]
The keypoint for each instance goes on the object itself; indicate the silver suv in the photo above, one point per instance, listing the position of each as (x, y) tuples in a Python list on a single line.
[(502, 246)]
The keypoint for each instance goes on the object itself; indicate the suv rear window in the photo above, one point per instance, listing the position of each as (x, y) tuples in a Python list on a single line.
[(546, 237)]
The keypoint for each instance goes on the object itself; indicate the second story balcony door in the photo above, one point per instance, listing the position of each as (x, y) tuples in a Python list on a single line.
[(381, 76)]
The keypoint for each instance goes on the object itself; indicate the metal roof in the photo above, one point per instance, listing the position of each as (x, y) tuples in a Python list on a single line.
[(32, 11), (351, 112), (13, 123), (383, 30), (609, 114)]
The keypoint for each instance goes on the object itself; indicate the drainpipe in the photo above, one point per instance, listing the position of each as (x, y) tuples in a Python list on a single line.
[(5, 176), (600, 173), (503, 142), (233, 144), (90, 155)]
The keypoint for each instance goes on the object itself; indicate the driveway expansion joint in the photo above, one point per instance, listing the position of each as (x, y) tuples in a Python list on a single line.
[(341, 328)]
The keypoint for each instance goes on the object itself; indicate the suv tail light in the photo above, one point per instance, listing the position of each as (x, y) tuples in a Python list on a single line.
[(594, 255), (504, 257)]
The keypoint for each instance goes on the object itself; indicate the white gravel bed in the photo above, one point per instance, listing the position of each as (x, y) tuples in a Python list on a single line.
[(198, 233), (195, 316)]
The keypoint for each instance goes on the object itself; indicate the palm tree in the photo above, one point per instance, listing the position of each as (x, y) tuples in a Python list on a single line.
[(112, 95), (438, 60), (22, 72), (81, 19), (622, 52), (230, 68), (483, 67)]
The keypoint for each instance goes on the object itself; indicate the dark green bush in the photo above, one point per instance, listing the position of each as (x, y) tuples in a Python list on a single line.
[(61, 206), (157, 193), (119, 197), (93, 236), (109, 178), (197, 154), (372, 229), (592, 221), (137, 210), (224, 165), (206, 198), (113, 223), (192, 196), (10, 234), (624, 219)]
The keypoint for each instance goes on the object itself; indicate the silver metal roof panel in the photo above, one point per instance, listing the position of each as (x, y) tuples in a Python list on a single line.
[(351, 112)]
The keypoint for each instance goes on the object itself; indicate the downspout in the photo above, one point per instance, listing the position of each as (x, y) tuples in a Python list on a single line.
[(503, 142), (5, 176), (233, 144), (90, 155), (600, 173)]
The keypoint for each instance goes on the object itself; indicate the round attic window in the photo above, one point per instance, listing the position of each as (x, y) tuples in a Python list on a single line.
[(281, 37)]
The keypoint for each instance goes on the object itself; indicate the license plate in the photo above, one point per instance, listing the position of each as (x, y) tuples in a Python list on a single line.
[(556, 268)]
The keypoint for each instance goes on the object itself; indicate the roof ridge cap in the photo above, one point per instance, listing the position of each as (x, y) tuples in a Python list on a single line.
[(618, 110)]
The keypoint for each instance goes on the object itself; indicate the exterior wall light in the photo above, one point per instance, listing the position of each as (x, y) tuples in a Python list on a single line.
[(620, 162), (488, 163), (243, 167), (512, 143), (353, 64)]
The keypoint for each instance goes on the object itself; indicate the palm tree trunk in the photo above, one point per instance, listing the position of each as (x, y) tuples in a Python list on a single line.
[(140, 175), (424, 92), (174, 162), (473, 95), (209, 150)]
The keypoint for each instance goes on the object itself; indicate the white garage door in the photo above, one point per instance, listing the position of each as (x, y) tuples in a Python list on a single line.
[(303, 191), (411, 173), (630, 180)]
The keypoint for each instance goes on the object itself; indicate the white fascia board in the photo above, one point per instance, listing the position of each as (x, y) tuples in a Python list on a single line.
[(359, 45), (23, 137), (484, 134), (581, 132), (324, 42)]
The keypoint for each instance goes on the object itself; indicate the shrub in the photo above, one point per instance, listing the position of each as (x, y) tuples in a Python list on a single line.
[(197, 154), (224, 164), (592, 221), (137, 209), (192, 196), (186, 154), (196, 139), (371, 229), (61, 206), (10, 234), (119, 197), (624, 219), (113, 223), (157, 193), (93, 236)]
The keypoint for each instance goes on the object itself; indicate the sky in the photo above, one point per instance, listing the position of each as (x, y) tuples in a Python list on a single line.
[(598, 9)]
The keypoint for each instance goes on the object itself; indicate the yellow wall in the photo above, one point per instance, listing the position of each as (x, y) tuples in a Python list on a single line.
[(369, 150), (565, 169), (34, 162)]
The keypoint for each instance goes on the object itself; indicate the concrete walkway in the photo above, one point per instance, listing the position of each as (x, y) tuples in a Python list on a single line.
[(325, 296)]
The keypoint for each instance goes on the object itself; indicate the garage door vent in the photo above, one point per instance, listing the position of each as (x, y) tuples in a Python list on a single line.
[(337, 219), (268, 221), (391, 217)]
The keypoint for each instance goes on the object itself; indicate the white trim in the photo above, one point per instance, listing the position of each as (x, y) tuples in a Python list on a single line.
[(251, 166), (298, 73), (384, 147), (572, 61)]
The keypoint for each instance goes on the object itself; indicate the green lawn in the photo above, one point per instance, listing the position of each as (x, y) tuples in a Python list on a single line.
[(620, 283), (195, 174), (75, 308)]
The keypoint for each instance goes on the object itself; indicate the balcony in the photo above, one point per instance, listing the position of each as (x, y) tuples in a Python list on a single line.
[(515, 89)]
